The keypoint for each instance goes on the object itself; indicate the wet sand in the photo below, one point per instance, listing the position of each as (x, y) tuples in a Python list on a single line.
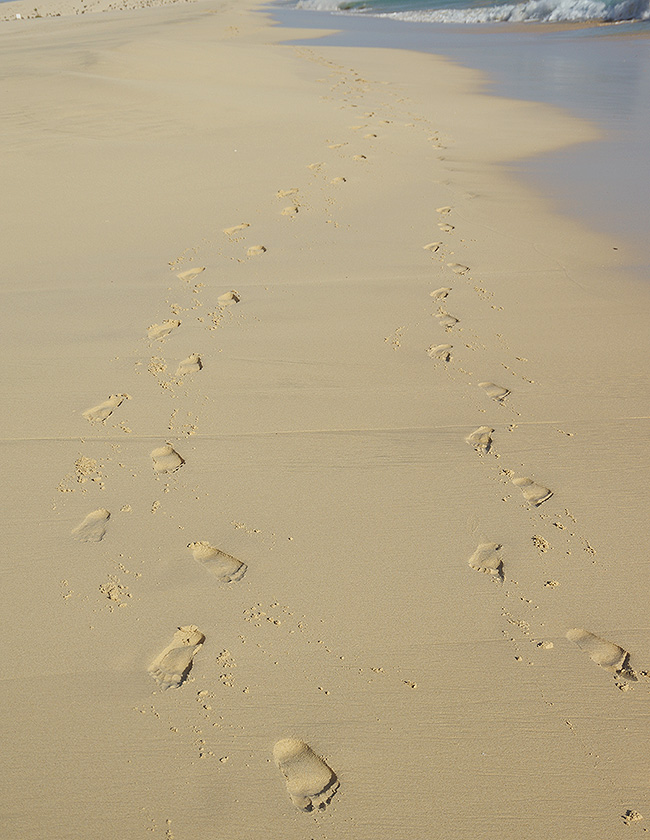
[(324, 448), (605, 183)]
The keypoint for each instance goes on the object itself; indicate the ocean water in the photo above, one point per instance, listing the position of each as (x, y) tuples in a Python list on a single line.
[(484, 11), (597, 72)]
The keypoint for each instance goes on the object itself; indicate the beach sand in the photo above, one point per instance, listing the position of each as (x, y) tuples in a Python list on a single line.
[(325, 448)]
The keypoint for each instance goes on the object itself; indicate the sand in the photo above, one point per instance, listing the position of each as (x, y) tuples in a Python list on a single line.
[(260, 434)]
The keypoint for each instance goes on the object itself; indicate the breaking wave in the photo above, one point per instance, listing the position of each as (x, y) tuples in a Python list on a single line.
[(550, 11)]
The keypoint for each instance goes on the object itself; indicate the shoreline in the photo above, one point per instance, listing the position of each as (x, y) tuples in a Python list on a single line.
[(300, 371), (603, 183)]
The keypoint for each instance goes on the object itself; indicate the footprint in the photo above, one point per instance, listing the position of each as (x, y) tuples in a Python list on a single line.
[(310, 782), (338, 180), (445, 228), (93, 528), (285, 193), (359, 157), (166, 459), (172, 666), (158, 331), (497, 392), (446, 320), (222, 565), (533, 493), (440, 294), (292, 210), (432, 246), (481, 439), (189, 275), (101, 413), (228, 298), (192, 364), (606, 654), (235, 229), (443, 210), (631, 816), (457, 268), (440, 351), (486, 559), (255, 250)]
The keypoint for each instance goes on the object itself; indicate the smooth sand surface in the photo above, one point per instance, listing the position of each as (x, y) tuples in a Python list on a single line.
[(293, 421)]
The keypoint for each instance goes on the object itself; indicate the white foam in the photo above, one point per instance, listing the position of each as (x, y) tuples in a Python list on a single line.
[(319, 5), (552, 11)]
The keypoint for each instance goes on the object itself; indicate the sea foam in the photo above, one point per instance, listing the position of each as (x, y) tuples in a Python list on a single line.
[(550, 11)]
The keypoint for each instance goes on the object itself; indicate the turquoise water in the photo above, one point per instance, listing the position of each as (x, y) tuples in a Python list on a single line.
[(484, 11)]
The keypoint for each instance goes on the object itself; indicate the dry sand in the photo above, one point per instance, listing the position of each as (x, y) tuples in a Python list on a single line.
[(270, 552)]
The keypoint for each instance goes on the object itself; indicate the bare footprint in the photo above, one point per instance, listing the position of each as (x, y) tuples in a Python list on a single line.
[(609, 656), (158, 331), (291, 210), (457, 268), (486, 559), (189, 275), (166, 459), (481, 439), (228, 298), (285, 193), (100, 413), (235, 229), (93, 528), (446, 320), (432, 246), (310, 782), (444, 211), (497, 392), (255, 250), (534, 493), (440, 351), (222, 565), (440, 294), (172, 666), (631, 816), (445, 228), (192, 364), (338, 180)]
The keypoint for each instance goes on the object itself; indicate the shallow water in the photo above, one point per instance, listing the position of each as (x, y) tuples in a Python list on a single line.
[(598, 73)]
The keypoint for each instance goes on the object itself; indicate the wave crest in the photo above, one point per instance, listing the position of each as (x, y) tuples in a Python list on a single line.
[(550, 11)]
